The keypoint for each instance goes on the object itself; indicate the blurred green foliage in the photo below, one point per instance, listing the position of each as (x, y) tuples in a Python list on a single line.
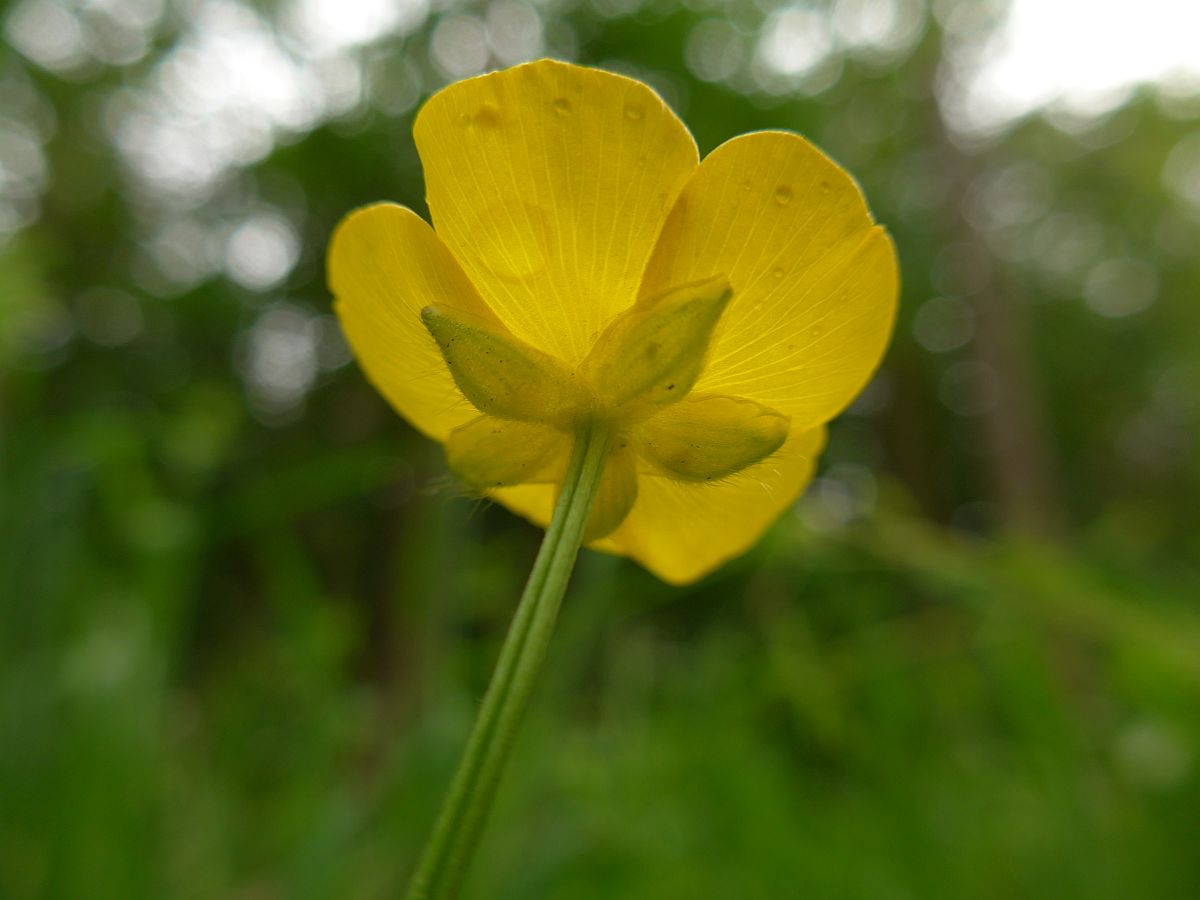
[(247, 617)]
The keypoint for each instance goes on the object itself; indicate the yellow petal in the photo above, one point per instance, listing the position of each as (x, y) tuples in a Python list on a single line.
[(814, 280), (385, 264), (489, 452), (550, 183), (652, 354), (500, 374), (616, 494), (708, 437), (682, 531)]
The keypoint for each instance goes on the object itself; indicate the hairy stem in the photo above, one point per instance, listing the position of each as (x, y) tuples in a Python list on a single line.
[(464, 811)]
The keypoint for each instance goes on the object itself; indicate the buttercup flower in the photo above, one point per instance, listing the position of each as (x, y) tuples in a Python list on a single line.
[(585, 267)]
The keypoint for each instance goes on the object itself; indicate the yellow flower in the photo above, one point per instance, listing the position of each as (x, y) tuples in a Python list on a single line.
[(586, 266)]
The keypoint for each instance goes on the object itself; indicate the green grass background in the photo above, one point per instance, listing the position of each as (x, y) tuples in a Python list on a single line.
[(240, 648)]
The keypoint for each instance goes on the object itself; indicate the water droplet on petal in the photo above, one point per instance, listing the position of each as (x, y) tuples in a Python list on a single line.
[(818, 330), (562, 106), (634, 112), (826, 187), (783, 195), (746, 185), (462, 120), (778, 272), (488, 116)]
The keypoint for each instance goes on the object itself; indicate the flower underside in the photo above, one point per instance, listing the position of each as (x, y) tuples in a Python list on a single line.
[(575, 269), (636, 382)]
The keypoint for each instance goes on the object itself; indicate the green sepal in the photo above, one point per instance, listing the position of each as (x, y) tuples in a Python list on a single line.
[(490, 453), (708, 437), (500, 374), (616, 493), (652, 354)]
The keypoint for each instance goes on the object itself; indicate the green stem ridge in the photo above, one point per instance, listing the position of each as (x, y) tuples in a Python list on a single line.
[(444, 861)]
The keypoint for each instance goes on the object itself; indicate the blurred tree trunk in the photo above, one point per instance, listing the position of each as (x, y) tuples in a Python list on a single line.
[(1017, 455)]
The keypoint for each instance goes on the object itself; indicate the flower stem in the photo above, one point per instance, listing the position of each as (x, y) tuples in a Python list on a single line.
[(464, 811)]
